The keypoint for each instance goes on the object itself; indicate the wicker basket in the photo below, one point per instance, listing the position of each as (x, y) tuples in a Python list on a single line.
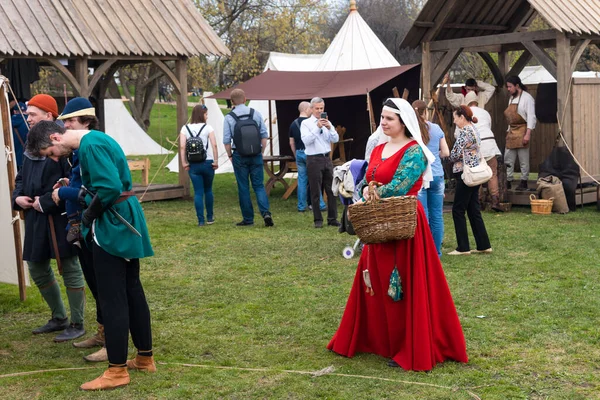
[(539, 206), (384, 220)]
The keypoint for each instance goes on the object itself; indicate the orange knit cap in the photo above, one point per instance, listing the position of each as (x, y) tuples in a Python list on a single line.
[(45, 103)]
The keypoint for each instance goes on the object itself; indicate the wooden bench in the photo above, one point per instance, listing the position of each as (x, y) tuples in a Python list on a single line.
[(141, 165)]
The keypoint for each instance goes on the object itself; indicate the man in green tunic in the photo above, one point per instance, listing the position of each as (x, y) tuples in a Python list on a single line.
[(116, 248)]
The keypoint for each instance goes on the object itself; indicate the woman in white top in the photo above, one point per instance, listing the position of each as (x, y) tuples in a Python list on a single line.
[(201, 173), (489, 148)]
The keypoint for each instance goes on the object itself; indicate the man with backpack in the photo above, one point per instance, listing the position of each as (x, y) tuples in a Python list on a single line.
[(245, 138)]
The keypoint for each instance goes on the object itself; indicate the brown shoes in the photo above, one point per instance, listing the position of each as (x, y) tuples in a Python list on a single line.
[(94, 341), (142, 363), (98, 356), (112, 378)]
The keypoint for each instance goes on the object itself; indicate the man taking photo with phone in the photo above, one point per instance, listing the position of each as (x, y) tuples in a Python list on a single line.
[(317, 135)]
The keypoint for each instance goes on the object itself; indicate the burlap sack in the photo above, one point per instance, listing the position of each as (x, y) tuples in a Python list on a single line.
[(551, 186)]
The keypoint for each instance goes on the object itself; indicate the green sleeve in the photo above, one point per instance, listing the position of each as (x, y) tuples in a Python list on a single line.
[(104, 175), (411, 167)]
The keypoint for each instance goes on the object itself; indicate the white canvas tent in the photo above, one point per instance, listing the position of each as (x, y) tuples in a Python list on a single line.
[(215, 120), (354, 47), (534, 74), (120, 125), (10, 250)]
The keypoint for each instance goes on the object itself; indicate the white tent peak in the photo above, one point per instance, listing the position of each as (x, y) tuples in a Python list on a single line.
[(356, 47)]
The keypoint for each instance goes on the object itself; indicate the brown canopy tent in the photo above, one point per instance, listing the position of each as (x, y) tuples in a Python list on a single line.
[(345, 94)]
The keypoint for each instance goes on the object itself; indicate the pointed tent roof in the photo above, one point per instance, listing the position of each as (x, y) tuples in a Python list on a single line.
[(356, 47)]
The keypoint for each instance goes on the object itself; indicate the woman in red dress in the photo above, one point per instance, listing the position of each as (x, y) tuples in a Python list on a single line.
[(417, 327)]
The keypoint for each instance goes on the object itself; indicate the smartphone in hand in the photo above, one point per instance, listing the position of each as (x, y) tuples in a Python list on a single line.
[(323, 115)]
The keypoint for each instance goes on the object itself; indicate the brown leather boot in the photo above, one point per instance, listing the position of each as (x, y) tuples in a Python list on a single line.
[(142, 363), (98, 356), (94, 341), (113, 377)]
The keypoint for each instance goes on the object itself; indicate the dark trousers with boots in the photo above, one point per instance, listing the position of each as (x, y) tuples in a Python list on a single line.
[(466, 198), (320, 177), (123, 304), (86, 260)]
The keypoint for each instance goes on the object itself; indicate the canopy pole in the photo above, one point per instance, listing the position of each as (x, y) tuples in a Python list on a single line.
[(370, 110)]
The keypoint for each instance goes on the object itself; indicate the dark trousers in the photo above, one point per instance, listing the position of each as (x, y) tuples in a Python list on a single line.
[(86, 260), (123, 304), (467, 199), (320, 177)]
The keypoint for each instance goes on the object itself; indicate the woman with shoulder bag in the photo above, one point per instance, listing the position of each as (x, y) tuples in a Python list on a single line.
[(400, 306), (467, 151), (201, 173)]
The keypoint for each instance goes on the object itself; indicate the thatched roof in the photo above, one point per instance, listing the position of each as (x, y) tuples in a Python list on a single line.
[(104, 28)]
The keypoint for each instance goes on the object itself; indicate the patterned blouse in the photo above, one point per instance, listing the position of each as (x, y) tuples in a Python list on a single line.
[(467, 144)]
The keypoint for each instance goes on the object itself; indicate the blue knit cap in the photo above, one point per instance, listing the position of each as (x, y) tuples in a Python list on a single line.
[(77, 107)]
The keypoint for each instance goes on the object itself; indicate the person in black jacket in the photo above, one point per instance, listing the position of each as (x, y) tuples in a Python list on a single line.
[(45, 227)]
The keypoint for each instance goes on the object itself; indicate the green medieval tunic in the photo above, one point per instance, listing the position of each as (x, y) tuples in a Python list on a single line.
[(104, 171)]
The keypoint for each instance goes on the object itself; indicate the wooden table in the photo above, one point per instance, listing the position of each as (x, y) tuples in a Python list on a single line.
[(276, 176)]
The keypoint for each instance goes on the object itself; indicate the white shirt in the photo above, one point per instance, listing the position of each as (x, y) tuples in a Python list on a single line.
[(317, 140), (458, 99), (526, 108), (195, 128), (489, 148)]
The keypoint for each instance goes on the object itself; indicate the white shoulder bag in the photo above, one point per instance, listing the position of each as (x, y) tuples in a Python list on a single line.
[(473, 176)]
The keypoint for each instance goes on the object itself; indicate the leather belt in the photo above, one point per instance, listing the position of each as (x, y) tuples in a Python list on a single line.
[(318, 155), (124, 196), (488, 138)]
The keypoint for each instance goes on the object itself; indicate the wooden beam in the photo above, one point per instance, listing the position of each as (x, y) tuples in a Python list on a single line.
[(425, 71), (66, 73), (82, 75), (520, 64), (12, 173), (182, 115), (423, 24), (170, 75), (541, 56), (99, 73), (563, 81), (577, 52), (503, 66), (440, 20), (444, 65), (493, 67), (480, 27), (477, 27), (503, 38)]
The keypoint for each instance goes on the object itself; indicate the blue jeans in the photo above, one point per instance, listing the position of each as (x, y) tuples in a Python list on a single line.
[(432, 200), (250, 167), (303, 197), (202, 176)]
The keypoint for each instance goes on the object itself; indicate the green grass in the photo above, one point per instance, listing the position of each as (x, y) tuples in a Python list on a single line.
[(271, 299), (248, 306)]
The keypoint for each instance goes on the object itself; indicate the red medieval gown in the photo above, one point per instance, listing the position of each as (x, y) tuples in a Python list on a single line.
[(422, 329)]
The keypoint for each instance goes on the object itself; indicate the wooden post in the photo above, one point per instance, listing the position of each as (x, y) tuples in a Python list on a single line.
[(503, 66), (426, 72), (81, 74), (563, 79), (182, 116), (371, 115), (7, 133)]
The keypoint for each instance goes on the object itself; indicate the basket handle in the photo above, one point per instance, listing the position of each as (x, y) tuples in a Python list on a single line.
[(372, 187), (532, 197)]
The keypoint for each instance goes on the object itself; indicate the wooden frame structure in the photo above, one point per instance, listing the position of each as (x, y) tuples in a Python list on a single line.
[(445, 28), (75, 35)]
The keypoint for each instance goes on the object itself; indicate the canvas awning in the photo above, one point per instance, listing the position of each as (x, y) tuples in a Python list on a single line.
[(300, 85)]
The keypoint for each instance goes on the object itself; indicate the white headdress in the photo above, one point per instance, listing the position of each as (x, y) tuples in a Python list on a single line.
[(409, 117)]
